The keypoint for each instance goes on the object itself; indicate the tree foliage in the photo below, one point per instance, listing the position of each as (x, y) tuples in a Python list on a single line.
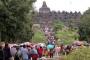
[(58, 25), (39, 36), (15, 19), (84, 27)]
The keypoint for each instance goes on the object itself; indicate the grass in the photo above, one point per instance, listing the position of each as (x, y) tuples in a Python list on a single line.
[(80, 54), (66, 36)]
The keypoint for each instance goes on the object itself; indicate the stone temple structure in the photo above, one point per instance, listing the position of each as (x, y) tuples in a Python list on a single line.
[(46, 16)]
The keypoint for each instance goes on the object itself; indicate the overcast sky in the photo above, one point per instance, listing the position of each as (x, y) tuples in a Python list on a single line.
[(66, 5)]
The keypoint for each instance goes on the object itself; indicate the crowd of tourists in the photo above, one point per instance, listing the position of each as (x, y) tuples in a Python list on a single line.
[(33, 52), (24, 52)]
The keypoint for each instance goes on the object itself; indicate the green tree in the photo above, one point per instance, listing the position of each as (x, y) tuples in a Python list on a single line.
[(16, 20), (58, 25), (65, 34), (84, 27)]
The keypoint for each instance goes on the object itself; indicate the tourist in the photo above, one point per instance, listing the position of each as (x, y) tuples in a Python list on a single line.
[(57, 50), (7, 53), (1, 53), (24, 53), (29, 53), (68, 49), (34, 53), (17, 54), (45, 52), (13, 51), (62, 49), (51, 53), (40, 51)]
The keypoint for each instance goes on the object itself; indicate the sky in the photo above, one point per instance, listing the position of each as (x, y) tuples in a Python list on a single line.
[(64, 5)]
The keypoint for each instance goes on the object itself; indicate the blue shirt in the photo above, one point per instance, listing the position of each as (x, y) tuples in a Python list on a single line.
[(24, 53)]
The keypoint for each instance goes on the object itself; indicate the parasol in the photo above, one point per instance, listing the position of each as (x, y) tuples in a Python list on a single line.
[(50, 46)]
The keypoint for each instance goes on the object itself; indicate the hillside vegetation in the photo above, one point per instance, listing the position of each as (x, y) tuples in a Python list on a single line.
[(80, 54), (64, 34)]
